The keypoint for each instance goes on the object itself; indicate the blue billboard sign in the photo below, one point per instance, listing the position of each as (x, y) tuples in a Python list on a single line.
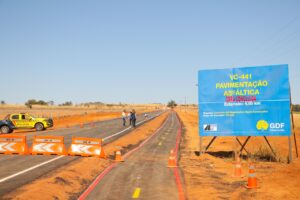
[(248, 101)]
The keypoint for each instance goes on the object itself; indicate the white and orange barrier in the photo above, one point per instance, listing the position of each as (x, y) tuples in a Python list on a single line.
[(48, 145), (82, 146), (13, 144)]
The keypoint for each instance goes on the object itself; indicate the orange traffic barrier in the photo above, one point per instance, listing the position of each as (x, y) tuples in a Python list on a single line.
[(48, 145), (118, 156), (86, 147), (13, 144), (252, 180), (238, 168), (172, 159)]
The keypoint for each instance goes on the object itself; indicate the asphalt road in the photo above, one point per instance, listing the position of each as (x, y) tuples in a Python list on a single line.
[(144, 174), (12, 165)]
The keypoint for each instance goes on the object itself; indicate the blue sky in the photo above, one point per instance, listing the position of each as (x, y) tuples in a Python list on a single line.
[(138, 51)]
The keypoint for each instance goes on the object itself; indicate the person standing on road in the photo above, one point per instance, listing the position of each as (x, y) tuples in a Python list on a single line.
[(129, 118), (146, 116), (124, 117), (133, 118)]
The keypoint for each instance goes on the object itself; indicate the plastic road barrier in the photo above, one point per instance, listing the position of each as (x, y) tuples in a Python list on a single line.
[(48, 145), (86, 147), (13, 144)]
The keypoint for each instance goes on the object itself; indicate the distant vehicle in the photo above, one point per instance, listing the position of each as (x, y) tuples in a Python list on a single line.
[(26, 121), (6, 126)]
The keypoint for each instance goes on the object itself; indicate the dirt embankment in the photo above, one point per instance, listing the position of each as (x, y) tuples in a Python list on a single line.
[(85, 118), (67, 182), (210, 176)]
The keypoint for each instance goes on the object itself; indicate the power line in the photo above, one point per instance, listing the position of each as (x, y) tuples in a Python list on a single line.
[(283, 53), (261, 46), (277, 47)]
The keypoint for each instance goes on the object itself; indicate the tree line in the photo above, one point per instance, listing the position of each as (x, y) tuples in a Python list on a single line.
[(29, 103), (296, 108)]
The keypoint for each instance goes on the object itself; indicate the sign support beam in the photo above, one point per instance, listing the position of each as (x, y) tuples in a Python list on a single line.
[(210, 143), (201, 147), (241, 145), (293, 126), (290, 150)]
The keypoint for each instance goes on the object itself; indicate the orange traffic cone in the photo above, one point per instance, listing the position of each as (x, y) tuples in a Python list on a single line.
[(118, 156), (67, 126), (172, 159), (92, 124), (102, 154), (238, 168), (81, 125), (252, 180)]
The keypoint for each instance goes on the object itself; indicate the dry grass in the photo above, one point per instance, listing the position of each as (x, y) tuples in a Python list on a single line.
[(265, 154), (63, 111)]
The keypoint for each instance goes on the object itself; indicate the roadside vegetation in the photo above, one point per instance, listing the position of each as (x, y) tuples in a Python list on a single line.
[(296, 108), (172, 104)]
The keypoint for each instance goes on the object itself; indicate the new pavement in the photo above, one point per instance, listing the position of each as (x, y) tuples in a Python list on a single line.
[(144, 174)]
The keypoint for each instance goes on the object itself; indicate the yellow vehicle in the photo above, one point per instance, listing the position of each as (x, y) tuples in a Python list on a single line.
[(26, 121)]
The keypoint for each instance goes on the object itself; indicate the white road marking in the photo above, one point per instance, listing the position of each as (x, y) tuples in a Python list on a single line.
[(59, 157), (29, 169)]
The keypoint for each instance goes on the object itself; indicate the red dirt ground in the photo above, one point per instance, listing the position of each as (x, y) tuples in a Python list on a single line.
[(210, 176), (78, 119)]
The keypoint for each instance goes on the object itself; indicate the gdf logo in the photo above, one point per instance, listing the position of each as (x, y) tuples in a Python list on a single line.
[(262, 125), (277, 125)]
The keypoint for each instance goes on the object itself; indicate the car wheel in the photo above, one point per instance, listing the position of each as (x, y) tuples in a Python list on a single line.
[(5, 129), (39, 127)]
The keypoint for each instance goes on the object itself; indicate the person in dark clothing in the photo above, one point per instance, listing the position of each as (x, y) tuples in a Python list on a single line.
[(133, 118)]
